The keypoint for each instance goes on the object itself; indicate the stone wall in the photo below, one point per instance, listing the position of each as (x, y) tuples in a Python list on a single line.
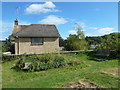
[(24, 46)]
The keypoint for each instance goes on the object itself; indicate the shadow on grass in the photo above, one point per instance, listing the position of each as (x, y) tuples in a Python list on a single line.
[(93, 56), (16, 68)]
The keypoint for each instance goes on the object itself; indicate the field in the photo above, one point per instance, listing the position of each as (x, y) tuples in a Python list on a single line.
[(96, 72)]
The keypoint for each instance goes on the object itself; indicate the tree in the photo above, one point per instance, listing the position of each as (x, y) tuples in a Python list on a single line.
[(109, 42), (61, 42), (77, 41), (8, 46), (94, 40), (72, 43), (80, 32)]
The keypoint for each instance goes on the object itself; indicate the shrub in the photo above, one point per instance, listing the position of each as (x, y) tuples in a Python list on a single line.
[(9, 58), (40, 62), (46, 57), (43, 62), (59, 61)]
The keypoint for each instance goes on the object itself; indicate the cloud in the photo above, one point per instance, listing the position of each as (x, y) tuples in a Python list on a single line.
[(5, 30), (52, 19), (100, 31), (80, 24), (91, 34), (72, 32), (0, 22), (7, 27), (95, 28), (41, 8), (5, 24), (24, 23), (105, 30)]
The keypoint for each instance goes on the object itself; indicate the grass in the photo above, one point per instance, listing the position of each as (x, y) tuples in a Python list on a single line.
[(62, 76)]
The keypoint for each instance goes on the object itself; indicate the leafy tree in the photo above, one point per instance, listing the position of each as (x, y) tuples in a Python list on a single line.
[(77, 42), (109, 42), (94, 40), (8, 46), (61, 42), (73, 43), (83, 44), (80, 32)]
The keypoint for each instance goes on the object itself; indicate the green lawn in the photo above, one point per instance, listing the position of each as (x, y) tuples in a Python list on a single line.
[(62, 76)]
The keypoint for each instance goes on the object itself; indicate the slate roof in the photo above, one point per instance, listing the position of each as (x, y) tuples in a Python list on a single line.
[(38, 30), (19, 27)]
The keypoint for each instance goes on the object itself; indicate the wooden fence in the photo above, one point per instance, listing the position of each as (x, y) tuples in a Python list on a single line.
[(60, 52)]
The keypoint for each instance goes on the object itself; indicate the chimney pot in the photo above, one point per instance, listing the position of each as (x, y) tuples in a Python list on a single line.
[(16, 22)]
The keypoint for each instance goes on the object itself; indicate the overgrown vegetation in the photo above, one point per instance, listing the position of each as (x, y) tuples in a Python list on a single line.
[(44, 62)]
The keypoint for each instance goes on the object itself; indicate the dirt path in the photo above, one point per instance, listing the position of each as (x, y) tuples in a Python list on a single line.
[(112, 71), (84, 83)]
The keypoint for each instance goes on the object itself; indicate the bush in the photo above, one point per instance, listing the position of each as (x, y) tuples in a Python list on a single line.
[(8, 46), (59, 61), (43, 62), (40, 62), (9, 58)]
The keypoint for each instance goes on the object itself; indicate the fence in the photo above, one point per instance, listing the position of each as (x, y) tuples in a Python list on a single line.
[(60, 52)]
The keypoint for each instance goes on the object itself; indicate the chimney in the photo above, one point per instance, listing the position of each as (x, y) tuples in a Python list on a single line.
[(16, 27), (16, 22)]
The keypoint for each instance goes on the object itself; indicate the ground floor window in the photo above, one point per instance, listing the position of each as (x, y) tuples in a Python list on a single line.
[(36, 40)]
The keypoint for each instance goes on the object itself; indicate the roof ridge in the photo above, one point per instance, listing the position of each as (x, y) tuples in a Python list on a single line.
[(23, 25), (42, 24)]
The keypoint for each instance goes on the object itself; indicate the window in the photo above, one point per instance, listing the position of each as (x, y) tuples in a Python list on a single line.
[(37, 41)]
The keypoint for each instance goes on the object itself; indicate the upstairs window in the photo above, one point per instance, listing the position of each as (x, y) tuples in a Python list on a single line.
[(36, 40)]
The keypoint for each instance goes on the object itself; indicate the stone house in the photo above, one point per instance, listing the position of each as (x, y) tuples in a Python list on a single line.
[(35, 38)]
